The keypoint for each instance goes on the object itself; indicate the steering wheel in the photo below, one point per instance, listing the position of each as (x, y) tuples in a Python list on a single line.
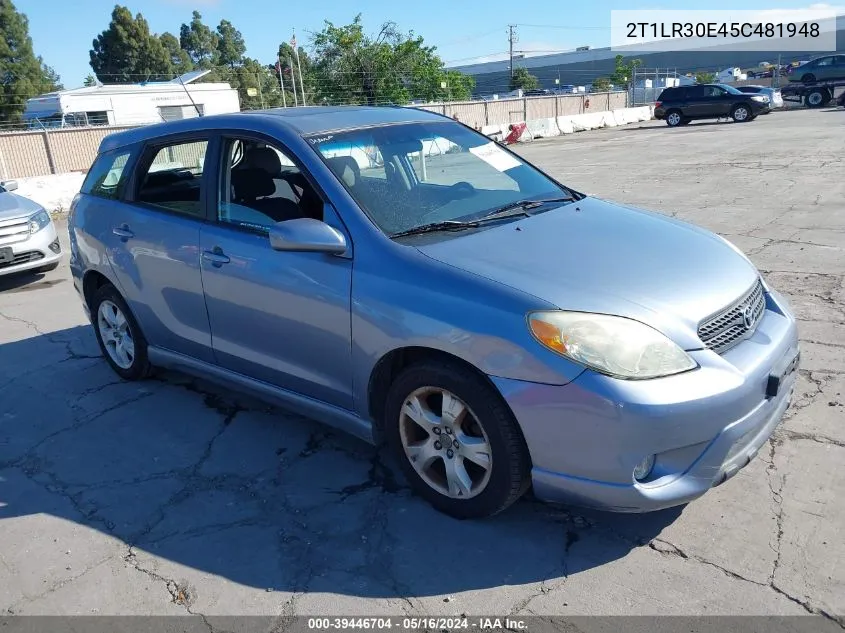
[(463, 189)]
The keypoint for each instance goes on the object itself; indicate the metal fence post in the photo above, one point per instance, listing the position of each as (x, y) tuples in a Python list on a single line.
[(524, 109), (49, 149), (486, 113)]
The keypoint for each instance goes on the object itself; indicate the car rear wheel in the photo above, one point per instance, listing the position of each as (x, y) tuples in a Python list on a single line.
[(674, 118), (456, 441), (817, 98), (741, 113), (118, 334), (808, 78)]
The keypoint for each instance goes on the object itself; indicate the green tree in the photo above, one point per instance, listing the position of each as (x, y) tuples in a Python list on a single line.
[(523, 80), (22, 74), (602, 84), (388, 67), (49, 76), (90, 80), (199, 41), (230, 44), (705, 77), (256, 83), (623, 73), (126, 52), (180, 61)]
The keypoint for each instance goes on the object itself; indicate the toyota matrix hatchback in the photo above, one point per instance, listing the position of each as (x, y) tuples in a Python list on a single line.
[(397, 275)]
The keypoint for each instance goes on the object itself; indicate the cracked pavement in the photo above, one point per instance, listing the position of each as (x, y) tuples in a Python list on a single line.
[(171, 496)]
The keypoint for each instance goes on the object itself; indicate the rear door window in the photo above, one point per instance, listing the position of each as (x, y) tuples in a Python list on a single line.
[(107, 175), (172, 180)]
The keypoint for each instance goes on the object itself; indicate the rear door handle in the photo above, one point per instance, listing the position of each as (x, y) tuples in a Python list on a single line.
[(216, 257), (123, 232)]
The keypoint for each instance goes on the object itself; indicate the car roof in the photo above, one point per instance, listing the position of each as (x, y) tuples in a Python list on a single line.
[(303, 120)]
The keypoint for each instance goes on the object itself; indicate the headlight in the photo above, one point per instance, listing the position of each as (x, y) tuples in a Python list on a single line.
[(612, 345), (38, 221)]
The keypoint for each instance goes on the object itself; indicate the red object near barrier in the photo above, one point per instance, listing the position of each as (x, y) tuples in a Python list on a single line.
[(516, 130), (586, 103)]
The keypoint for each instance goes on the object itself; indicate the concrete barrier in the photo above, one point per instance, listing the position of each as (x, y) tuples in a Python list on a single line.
[(543, 128)]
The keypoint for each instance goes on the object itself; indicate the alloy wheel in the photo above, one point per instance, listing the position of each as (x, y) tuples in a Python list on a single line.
[(445, 443), (116, 334)]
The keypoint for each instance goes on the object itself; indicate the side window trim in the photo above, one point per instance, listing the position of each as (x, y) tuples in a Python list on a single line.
[(145, 156)]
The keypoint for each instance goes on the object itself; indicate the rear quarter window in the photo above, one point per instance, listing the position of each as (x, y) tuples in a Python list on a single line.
[(107, 176), (670, 94)]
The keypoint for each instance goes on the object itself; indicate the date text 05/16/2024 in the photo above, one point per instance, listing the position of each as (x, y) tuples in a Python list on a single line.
[(416, 624)]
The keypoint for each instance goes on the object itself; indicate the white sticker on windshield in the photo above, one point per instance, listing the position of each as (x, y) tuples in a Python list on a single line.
[(495, 156)]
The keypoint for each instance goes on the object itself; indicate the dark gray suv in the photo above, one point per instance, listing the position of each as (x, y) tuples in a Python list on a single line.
[(679, 106)]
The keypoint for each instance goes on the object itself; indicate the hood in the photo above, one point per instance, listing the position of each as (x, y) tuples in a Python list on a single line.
[(595, 256), (13, 206)]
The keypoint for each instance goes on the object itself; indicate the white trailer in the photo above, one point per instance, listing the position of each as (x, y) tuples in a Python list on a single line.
[(132, 104)]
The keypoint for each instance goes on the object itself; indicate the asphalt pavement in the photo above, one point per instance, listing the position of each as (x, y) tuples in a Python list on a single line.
[(171, 496)]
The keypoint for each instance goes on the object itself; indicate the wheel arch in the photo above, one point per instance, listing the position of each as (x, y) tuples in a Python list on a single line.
[(392, 363), (92, 281)]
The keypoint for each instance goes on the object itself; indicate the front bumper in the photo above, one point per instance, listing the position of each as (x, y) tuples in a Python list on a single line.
[(703, 426), (38, 250)]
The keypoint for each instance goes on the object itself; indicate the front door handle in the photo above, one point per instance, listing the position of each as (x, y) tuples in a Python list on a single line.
[(216, 257), (123, 232)]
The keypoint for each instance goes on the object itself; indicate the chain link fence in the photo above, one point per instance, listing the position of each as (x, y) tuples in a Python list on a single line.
[(647, 84)]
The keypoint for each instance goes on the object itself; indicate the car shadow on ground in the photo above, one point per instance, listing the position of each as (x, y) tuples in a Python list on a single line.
[(188, 475), (10, 284)]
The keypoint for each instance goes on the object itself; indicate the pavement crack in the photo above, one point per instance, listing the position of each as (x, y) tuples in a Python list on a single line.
[(812, 437), (56, 585), (839, 620), (666, 548)]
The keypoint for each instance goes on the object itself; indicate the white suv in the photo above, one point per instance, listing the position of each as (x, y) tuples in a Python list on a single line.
[(28, 240)]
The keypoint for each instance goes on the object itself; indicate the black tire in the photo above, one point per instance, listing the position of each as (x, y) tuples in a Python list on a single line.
[(140, 366), (48, 267), (674, 118), (741, 113), (817, 98), (808, 78), (510, 472)]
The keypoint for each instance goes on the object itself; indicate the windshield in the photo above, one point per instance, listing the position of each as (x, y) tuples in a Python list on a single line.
[(407, 175)]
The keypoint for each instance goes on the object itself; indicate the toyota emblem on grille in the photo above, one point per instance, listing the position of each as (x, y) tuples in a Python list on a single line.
[(748, 315)]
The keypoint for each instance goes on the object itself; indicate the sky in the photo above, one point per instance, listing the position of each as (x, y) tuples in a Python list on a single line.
[(464, 31)]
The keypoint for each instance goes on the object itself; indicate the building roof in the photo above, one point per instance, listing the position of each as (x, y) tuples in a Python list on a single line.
[(303, 120)]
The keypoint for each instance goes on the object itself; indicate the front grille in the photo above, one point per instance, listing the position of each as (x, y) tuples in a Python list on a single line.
[(735, 323), (12, 231), (23, 258)]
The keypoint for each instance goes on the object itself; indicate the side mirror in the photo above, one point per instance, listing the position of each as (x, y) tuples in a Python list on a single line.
[(9, 185), (307, 235)]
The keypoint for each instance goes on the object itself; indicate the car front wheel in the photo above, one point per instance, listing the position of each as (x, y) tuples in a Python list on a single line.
[(118, 334), (456, 441)]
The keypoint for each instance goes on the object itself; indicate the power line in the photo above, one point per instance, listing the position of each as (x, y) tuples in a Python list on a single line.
[(567, 27)]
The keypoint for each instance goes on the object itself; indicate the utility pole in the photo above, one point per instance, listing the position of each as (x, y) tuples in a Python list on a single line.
[(511, 40)]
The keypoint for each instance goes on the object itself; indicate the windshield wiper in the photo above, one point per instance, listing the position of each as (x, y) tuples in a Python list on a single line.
[(501, 213), (447, 225), (524, 205)]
